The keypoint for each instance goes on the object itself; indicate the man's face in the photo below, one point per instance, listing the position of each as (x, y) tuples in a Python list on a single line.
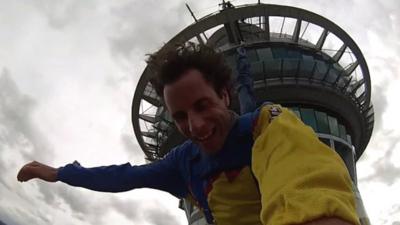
[(198, 111)]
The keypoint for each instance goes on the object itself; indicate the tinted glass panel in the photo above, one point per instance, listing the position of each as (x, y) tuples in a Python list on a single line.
[(279, 53), (347, 156), (322, 122), (290, 67), (333, 126), (273, 68), (257, 70), (296, 111), (320, 70), (264, 53), (308, 118), (325, 141), (306, 67), (332, 76), (342, 132), (252, 55), (294, 54), (348, 138)]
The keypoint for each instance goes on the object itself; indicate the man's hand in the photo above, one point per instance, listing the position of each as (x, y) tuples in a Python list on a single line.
[(37, 170)]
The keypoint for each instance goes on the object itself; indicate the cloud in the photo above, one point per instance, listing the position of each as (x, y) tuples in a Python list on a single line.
[(18, 128), (395, 212), (132, 148), (380, 104), (152, 214), (384, 169), (126, 208), (158, 216), (142, 26), (73, 198), (84, 205), (5, 218), (384, 75), (16, 216), (21, 141), (62, 13)]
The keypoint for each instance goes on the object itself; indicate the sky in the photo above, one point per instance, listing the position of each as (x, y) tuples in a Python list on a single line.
[(68, 71)]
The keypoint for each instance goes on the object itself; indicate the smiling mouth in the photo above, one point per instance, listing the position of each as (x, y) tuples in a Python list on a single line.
[(206, 136)]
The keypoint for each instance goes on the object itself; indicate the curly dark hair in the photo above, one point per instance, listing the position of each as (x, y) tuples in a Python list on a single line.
[(169, 65)]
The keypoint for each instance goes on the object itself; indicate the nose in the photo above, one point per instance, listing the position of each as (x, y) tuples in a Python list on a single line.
[(196, 124)]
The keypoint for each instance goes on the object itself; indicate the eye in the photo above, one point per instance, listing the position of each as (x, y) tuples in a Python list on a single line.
[(202, 105)]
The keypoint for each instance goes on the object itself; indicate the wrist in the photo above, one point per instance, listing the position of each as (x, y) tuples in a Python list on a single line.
[(52, 175)]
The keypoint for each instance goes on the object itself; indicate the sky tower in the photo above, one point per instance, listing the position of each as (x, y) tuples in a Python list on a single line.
[(299, 59)]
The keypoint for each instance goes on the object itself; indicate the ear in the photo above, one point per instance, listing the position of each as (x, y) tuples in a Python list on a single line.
[(225, 97)]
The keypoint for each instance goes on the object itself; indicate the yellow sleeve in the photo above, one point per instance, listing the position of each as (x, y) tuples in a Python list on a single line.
[(300, 178)]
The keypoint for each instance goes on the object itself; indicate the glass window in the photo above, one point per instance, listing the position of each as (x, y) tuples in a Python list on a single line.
[(279, 53), (326, 141), (290, 67), (265, 53), (272, 68), (294, 54), (306, 67), (342, 132), (332, 75), (257, 70), (347, 156), (333, 126), (308, 118), (348, 138), (296, 111), (252, 55), (322, 122), (320, 70)]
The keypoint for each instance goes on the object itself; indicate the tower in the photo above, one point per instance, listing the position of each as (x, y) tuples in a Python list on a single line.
[(298, 59)]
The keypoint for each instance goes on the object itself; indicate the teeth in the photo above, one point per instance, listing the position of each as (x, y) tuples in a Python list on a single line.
[(204, 137)]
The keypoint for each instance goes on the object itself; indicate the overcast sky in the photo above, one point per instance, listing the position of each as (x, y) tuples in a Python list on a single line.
[(68, 71)]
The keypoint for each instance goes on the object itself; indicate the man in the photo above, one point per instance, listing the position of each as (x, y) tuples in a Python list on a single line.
[(263, 167)]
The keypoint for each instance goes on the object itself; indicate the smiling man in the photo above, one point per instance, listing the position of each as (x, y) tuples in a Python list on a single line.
[(263, 167)]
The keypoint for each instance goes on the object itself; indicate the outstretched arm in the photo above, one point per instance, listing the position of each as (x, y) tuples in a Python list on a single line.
[(162, 175)]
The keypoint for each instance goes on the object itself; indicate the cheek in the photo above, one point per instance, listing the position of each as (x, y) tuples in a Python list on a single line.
[(183, 128)]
